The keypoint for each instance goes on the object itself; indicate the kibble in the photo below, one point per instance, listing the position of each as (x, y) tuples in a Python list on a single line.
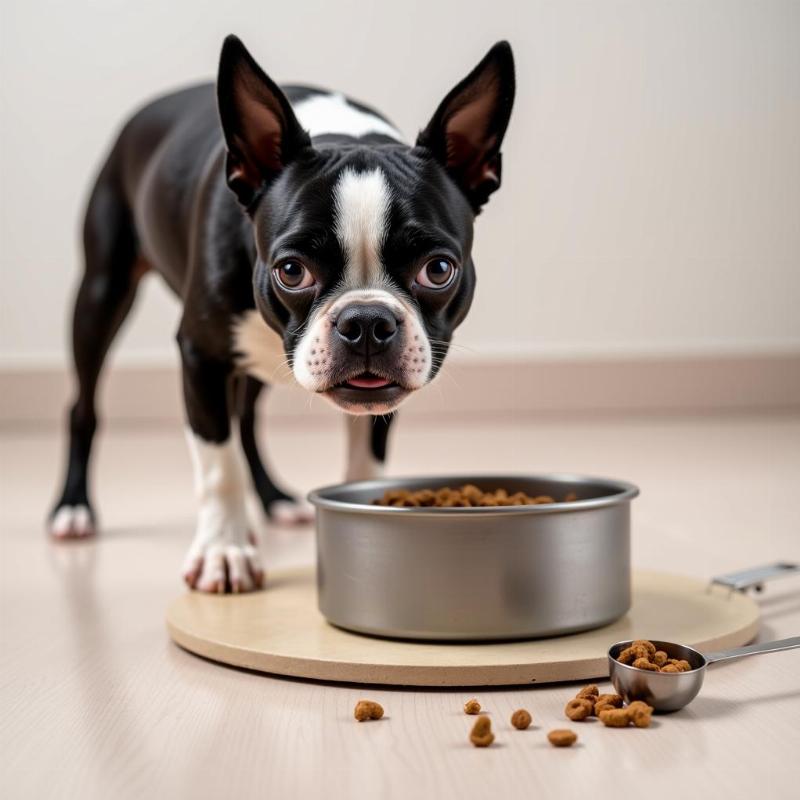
[(481, 734), (521, 719), (607, 700), (640, 713), (466, 496), (647, 645), (579, 708), (609, 707), (643, 654), (660, 658), (367, 709), (630, 654), (591, 691), (472, 707), (614, 717), (562, 738)]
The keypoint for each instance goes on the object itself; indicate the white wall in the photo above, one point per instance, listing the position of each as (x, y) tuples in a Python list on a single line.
[(652, 170)]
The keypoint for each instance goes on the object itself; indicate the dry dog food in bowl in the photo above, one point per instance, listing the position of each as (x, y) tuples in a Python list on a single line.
[(448, 564), (466, 496)]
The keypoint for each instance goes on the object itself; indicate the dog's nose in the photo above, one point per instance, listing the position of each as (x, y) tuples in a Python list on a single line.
[(366, 328)]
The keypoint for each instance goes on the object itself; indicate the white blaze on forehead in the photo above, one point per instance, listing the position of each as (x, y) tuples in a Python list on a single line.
[(331, 113), (361, 214)]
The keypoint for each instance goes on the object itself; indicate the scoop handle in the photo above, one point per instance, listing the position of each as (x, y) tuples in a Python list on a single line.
[(754, 649)]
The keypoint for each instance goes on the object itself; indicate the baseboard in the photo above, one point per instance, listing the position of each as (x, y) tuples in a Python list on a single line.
[(471, 387)]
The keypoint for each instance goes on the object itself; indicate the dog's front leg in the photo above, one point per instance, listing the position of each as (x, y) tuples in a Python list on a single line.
[(367, 438), (221, 558)]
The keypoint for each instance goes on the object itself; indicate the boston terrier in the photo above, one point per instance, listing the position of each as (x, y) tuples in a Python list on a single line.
[(307, 241)]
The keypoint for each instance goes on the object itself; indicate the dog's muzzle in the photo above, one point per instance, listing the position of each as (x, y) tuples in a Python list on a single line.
[(365, 353), (367, 343)]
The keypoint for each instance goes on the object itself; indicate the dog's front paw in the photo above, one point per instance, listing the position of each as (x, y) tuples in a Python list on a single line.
[(72, 522), (223, 556), (218, 568)]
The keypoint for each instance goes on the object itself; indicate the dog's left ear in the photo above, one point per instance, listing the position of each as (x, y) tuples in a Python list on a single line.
[(261, 131), (467, 129)]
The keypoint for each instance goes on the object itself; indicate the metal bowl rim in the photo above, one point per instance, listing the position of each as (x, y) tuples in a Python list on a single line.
[(627, 491)]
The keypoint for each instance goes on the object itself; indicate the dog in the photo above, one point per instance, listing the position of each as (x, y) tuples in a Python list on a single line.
[(306, 240)]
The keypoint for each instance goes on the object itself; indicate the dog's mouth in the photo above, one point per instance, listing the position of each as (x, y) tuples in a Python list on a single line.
[(367, 381), (367, 392)]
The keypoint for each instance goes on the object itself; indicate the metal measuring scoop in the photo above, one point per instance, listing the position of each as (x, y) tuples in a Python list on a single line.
[(671, 691)]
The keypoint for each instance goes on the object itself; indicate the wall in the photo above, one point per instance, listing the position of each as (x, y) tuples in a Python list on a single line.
[(652, 170)]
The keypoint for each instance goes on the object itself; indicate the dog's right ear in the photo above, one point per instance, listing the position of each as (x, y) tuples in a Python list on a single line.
[(261, 131)]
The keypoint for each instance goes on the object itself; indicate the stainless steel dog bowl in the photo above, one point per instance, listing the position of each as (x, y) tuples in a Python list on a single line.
[(504, 572)]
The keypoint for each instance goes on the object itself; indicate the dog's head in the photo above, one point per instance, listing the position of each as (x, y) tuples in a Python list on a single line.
[(363, 246)]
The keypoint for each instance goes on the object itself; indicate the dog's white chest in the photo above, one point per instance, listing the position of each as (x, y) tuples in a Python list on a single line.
[(259, 350)]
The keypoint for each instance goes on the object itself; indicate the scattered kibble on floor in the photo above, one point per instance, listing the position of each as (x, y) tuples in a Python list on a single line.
[(562, 738), (607, 701), (367, 710), (521, 719), (579, 708), (607, 707), (472, 707), (481, 734)]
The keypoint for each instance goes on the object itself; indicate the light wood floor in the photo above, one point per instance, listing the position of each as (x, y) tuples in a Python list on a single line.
[(97, 703)]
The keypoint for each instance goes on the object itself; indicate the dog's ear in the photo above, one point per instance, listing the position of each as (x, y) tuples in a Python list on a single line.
[(467, 129), (261, 131)]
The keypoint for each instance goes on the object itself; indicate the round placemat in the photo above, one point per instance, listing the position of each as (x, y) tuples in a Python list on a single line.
[(280, 631)]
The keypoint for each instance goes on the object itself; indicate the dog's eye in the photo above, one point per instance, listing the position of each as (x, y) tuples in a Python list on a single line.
[(437, 273), (293, 274)]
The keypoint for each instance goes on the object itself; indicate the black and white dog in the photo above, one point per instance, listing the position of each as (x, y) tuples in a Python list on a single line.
[(305, 239)]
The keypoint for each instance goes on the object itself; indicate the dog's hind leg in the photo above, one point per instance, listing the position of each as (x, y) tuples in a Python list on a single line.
[(279, 506), (104, 298)]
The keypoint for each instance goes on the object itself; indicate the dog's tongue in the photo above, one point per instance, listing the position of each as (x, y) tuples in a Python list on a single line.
[(368, 382)]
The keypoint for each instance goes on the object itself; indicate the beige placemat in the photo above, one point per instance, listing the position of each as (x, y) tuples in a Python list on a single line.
[(281, 631)]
